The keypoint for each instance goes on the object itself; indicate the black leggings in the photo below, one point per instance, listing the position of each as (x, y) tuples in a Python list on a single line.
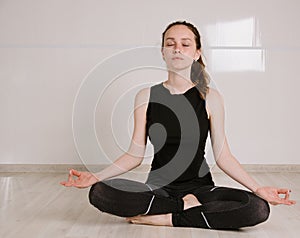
[(221, 207)]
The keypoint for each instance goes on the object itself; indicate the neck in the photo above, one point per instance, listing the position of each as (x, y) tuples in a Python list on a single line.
[(180, 80)]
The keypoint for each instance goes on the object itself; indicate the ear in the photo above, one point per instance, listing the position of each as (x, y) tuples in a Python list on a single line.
[(162, 53), (197, 54)]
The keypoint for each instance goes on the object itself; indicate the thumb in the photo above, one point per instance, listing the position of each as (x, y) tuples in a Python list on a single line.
[(75, 172)]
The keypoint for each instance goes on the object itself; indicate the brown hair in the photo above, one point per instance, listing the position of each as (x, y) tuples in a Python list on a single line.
[(199, 76)]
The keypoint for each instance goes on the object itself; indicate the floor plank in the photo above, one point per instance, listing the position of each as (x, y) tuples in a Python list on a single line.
[(35, 205)]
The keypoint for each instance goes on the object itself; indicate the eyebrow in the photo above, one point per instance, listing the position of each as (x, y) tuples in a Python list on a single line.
[(172, 38)]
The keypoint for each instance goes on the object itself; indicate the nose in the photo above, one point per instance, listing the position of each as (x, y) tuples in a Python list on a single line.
[(177, 49)]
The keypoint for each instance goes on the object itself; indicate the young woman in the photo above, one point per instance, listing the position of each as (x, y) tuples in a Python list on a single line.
[(177, 115)]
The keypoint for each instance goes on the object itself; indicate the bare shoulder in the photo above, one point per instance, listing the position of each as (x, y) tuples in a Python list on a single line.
[(142, 96), (214, 97), (144, 92), (214, 102)]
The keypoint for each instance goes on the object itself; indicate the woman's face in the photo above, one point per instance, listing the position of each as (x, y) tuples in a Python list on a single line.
[(179, 49)]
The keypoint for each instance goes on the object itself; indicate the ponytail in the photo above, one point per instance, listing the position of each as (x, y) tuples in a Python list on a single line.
[(200, 77)]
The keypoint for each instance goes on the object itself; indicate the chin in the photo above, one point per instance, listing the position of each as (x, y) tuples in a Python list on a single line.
[(179, 66)]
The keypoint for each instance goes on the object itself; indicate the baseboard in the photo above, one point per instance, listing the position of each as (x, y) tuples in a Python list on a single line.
[(262, 168), (62, 168)]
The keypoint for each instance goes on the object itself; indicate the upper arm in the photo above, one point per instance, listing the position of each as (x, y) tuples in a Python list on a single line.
[(215, 105), (138, 141)]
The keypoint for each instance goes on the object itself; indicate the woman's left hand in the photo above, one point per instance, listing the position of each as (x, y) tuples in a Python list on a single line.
[(271, 195)]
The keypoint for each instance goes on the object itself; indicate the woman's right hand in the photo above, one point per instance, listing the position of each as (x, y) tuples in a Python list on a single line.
[(83, 180)]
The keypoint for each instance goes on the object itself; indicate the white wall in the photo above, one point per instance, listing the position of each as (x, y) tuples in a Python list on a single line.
[(48, 47)]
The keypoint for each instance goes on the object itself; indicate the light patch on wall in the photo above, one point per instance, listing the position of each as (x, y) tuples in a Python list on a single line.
[(238, 60), (235, 46)]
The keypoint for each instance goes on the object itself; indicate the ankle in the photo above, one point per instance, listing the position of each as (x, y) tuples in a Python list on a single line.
[(190, 201)]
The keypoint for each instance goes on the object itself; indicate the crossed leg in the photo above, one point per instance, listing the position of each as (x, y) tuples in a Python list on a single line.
[(164, 219), (219, 208), (205, 207)]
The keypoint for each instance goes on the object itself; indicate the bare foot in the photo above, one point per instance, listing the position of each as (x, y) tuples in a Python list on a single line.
[(155, 220), (190, 201), (164, 219)]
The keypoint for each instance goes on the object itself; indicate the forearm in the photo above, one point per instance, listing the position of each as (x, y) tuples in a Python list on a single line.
[(234, 169), (123, 164)]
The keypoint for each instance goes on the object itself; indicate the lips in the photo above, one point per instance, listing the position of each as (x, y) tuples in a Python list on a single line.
[(177, 58)]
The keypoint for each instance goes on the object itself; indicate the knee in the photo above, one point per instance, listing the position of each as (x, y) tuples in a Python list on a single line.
[(96, 193), (262, 210)]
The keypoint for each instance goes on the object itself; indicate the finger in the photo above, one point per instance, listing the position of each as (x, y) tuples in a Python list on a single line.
[(76, 173), (70, 177), (276, 199), (289, 202), (287, 196), (66, 183), (283, 196), (283, 190), (284, 202)]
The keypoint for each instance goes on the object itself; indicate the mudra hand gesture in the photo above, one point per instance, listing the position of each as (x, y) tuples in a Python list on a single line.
[(271, 195), (82, 180)]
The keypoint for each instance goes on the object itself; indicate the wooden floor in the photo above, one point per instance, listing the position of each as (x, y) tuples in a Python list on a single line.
[(36, 205)]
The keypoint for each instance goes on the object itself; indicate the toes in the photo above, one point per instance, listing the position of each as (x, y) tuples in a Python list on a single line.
[(132, 220)]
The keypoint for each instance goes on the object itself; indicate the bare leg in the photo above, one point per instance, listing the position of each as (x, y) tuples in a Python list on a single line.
[(155, 220), (164, 219)]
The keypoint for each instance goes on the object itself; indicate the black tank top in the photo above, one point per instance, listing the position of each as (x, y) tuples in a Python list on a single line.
[(177, 126)]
